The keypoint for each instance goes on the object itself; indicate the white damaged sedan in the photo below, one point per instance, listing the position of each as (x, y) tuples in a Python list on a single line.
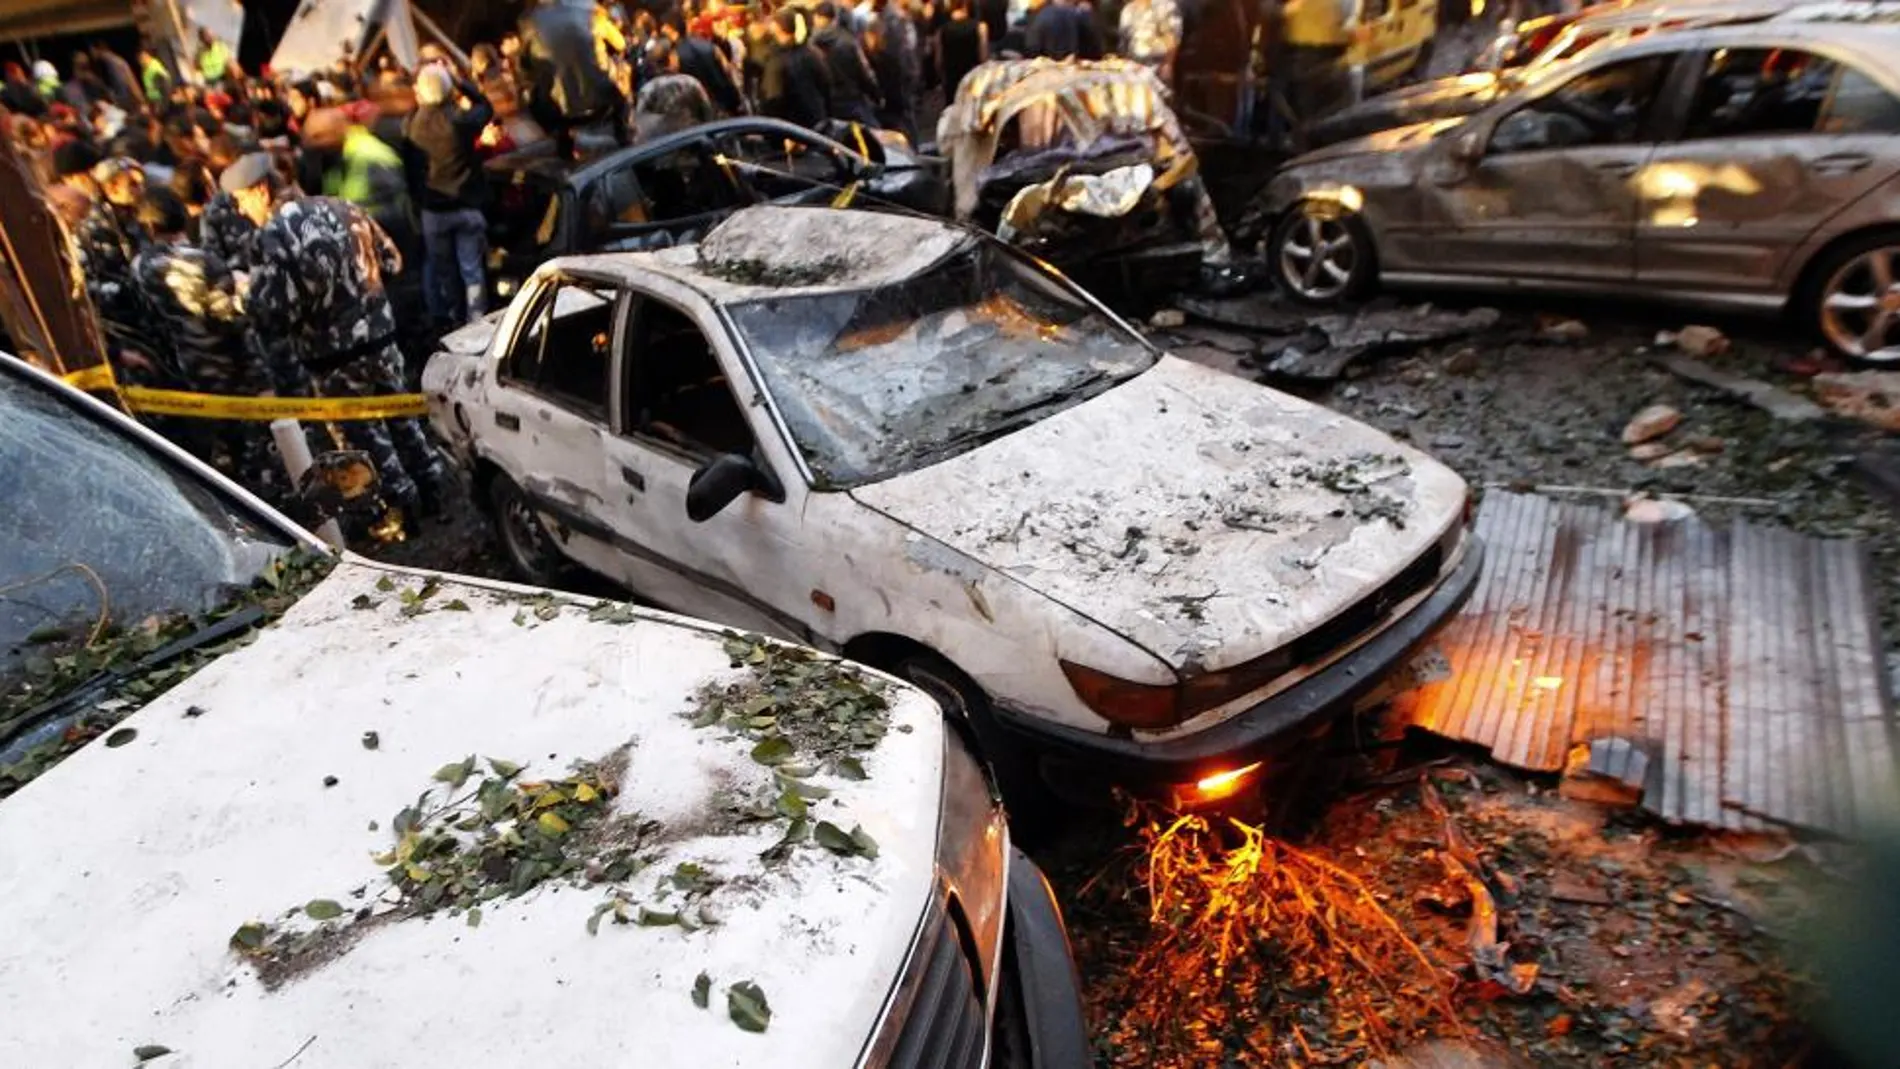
[(897, 439)]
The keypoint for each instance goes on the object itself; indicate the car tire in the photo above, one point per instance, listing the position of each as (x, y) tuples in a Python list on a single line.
[(1010, 1045), (1026, 798), (1848, 305), (1320, 254), (525, 541)]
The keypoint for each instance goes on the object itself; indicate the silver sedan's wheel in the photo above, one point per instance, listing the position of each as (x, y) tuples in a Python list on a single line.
[(524, 539), (1860, 306), (1319, 258)]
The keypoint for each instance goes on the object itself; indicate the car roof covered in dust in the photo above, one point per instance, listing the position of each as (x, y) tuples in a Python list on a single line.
[(772, 251)]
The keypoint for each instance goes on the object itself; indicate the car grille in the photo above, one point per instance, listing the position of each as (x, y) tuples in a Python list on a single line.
[(1363, 615), (945, 1023)]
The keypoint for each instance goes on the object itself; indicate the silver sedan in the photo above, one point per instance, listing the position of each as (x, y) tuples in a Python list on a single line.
[(1752, 167)]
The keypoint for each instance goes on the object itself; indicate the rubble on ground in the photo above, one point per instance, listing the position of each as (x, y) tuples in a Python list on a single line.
[(1698, 341), (1873, 397), (1650, 424)]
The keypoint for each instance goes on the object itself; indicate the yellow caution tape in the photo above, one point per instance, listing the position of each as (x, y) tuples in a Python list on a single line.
[(264, 409), (845, 196), (96, 377), (153, 402)]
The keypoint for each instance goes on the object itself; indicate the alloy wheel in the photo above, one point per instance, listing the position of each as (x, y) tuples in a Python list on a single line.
[(1317, 258), (528, 544), (1860, 306)]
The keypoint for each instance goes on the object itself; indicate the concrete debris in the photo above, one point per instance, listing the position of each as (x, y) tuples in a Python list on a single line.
[(1225, 340), (1650, 424), (1648, 451), (1695, 340), (1873, 397), (1462, 362), (1680, 1011), (1330, 343), (1681, 458), (1168, 318), (1773, 400), (1708, 444), (1560, 329), (1879, 468), (1449, 1054), (1448, 441), (1655, 510), (1266, 312)]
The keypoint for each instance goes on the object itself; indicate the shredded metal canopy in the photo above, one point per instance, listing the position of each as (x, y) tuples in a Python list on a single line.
[(1732, 675)]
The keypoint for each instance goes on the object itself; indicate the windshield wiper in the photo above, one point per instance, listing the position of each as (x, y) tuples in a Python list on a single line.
[(99, 687)]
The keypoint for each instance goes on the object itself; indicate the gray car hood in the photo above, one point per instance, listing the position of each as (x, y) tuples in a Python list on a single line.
[(1204, 517)]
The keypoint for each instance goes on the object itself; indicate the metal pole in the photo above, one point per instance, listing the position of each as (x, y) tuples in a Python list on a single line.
[(295, 449)]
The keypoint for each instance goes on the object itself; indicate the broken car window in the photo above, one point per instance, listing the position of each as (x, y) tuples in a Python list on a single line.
[(779, 168), (677, 392), (875, 382), (1758, 91), (564, 351), (100, 534), (684, 183), (1606, 106), (1860, 106)]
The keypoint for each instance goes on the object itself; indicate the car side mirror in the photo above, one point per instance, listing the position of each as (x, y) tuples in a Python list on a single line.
[(1468, 148), (721, 482)]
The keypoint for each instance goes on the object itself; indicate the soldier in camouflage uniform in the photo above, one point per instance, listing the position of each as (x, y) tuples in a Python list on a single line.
[(226, 233), (193, 300), (107, 239), (322, 317)]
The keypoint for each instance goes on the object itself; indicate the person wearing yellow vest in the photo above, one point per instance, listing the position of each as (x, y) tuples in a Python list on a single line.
[(154, 78), (358, 168), (214, 57)]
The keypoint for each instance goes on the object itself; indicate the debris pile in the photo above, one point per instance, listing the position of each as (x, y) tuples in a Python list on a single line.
[(1298, 345)]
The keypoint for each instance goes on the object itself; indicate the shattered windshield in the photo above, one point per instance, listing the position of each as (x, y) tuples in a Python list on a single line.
[(99, 535), (876, 382)]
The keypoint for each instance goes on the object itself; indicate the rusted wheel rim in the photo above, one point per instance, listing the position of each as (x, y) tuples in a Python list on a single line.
[(1317, 257), (528, 543), (1860, 307)]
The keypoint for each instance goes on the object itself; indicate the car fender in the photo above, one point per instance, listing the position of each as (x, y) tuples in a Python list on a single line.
[(1878, 207), (883, 577)]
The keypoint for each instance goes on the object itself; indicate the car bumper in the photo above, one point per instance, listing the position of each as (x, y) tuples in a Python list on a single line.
[(1045, 971), (1256, 733)]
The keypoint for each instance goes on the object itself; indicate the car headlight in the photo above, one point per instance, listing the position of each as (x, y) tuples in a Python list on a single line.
[(1151, 706), (938, 1011)]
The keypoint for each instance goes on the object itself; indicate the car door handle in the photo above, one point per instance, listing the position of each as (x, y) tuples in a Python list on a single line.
[(507, 422), (1619, 168), (633, 478), (1843, 163)]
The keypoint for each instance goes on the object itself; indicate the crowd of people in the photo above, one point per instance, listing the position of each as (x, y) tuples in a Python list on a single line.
[(311, 233)]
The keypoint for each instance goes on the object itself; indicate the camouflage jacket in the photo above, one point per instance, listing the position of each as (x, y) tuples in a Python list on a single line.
[(106, 247), (316, 297), (224, 232), (191, 297)]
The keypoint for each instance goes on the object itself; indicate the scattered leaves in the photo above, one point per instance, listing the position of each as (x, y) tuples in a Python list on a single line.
[(746, 1004), (371, 740), (855, 843), (613, 612), (121, 737), (702, 991), (150, 1051), (322, 909)]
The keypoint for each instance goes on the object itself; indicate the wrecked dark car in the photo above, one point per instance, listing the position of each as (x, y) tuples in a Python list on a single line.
[(1086, 166), (673, 189)]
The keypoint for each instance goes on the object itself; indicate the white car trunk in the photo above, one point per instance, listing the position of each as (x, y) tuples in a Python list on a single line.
[(1209, 521), (128, 869)]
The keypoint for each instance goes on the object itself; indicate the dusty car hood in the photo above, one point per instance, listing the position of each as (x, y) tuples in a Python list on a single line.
[(1204, 517), (129, 868), (1398, 140), (475, 338)]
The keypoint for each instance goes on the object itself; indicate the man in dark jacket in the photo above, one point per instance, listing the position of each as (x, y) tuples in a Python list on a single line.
[(854, 93), (797, 85), (453, 193), (1060, 30), (700, 56)]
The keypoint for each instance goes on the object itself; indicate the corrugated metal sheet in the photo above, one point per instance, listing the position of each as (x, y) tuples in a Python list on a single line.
[(1734, 674)]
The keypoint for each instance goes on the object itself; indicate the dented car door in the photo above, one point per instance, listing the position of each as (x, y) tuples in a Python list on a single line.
[(1547, 188), (547, 400), (683, 401), (1775, 143)]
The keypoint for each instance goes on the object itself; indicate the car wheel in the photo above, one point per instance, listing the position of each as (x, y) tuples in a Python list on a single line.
[(1320, 255), (1027, 799), (524, 539), (1010, 1045), (1854, 300)]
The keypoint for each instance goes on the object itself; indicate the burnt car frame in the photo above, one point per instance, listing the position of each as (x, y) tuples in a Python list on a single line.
[(672, 189), (1751, 167)]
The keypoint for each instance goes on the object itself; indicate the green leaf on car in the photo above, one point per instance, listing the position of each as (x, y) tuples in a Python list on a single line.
[(746, 1004), (322, 909)]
